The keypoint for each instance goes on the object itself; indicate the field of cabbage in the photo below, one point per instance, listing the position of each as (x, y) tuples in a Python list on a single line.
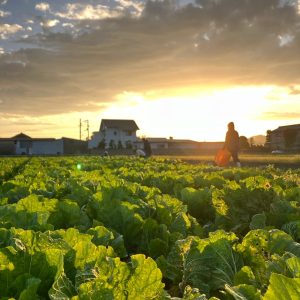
[(131, 228)]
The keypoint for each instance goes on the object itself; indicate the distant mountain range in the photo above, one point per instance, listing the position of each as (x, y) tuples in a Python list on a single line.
[(257, 139)]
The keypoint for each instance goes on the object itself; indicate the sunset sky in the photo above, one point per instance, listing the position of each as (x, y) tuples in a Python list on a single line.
[(178, 68)]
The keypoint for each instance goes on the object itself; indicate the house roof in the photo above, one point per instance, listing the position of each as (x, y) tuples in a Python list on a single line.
[(182, 141), (32, 140), (24, 137), (165, 140), (211, 143), (21, 136), (157, 140), (43, 139), (295, 126), (6, 140), (118, 124)]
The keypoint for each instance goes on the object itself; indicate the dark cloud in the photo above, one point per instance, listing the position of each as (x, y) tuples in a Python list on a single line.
[(213, 43)]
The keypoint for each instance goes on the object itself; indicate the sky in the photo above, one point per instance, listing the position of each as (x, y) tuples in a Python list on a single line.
[(179, 68)]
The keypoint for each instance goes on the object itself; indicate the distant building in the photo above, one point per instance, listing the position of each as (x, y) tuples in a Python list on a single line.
[(257, 140), (114, 134), (164, 143), (285, 138), (210, 147), (22, 144), (180, 146), (157, 143), (74, 146)]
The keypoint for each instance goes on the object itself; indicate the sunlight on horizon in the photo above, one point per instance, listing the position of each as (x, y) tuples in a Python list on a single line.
[(190, 113), (195, 115)]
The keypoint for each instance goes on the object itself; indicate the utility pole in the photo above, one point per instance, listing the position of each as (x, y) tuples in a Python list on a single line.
[(87, 128), (80, 129)]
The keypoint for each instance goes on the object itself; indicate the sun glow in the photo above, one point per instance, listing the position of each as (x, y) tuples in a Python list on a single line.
[(189, 113), (194, 114)]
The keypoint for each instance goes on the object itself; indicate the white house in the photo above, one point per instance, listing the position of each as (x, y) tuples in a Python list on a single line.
[(114, 133), (95, 140), (40, 147), (22, 144)]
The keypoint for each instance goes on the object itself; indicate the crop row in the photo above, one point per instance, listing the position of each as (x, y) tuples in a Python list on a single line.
[(129, 228)]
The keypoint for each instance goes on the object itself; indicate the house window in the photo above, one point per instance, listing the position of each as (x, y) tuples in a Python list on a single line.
[(115, 133), (128, 132)]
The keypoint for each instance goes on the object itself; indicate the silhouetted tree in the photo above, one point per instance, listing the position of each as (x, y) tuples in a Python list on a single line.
[(102, 144), (251, 141), (244, 143), (268, 138)]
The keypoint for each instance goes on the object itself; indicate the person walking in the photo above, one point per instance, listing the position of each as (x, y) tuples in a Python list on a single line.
[(232, 143)]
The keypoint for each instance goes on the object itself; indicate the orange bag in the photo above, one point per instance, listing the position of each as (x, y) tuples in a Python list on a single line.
[(222, 158)]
